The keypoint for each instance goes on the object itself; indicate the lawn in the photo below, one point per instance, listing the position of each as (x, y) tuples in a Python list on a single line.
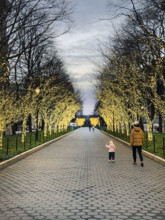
[(12, 144)]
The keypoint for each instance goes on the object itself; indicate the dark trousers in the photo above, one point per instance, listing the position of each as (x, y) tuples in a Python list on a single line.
[(111, 155), (139, 149)]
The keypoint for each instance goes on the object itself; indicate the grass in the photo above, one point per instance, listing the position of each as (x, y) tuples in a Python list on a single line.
[(155, 147), (12, 144)]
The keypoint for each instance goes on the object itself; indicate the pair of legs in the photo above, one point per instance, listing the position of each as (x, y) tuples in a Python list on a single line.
[(112, 155), (139, 149)]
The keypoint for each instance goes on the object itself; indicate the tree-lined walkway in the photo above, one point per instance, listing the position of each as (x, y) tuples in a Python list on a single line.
[(72, 179)]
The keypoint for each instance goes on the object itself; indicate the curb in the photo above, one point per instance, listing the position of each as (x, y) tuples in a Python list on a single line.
[(12, 160), (146, 153)]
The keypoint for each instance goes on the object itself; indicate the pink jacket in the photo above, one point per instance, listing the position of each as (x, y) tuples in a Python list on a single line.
[(111, 147)]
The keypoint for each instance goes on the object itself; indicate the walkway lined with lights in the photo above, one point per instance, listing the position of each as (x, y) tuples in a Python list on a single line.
[(72, 179)]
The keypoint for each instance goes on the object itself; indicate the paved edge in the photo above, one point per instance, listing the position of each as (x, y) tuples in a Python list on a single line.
[(146, 153), (12, 160)]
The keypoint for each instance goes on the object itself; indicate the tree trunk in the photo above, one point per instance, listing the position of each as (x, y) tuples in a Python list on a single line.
[(30, 123), (1, 139), (127, 128), (149, 126), (36, 125), (55, 128), (50, 129), (43, 125), (24, 128), (160, 123), (141, 124), (3, 44), (108, 127), (14, 128)]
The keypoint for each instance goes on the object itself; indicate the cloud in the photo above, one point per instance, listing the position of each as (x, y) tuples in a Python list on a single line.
[(79, 47), (89, 10)]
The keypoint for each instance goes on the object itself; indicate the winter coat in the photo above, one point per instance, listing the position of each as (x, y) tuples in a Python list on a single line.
[(136, 137), (111, 147)]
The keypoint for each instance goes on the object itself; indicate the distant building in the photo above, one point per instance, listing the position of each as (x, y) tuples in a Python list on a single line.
[(73, 124)]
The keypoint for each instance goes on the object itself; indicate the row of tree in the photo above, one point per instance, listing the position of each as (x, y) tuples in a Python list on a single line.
[(131, 82), (33, 80)]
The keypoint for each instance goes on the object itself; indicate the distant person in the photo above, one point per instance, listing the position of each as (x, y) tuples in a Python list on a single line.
[(136, 142), (93, 127), (89, 127), (111, 149)]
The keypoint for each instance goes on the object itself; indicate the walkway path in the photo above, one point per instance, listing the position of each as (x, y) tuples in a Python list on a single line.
[(72, 179)]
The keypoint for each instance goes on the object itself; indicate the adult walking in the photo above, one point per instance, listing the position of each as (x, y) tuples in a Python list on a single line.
[(136, 141)]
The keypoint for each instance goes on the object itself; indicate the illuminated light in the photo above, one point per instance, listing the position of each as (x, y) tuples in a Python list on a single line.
[(37, 90), (57, 106)]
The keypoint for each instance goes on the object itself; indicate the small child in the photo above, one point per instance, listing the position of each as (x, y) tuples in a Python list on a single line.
[(111, 148)]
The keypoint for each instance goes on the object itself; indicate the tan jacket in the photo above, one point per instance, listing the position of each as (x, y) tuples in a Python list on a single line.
[(136, 137)]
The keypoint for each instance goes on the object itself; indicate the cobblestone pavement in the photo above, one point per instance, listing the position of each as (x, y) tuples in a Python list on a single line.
[(72, 179)]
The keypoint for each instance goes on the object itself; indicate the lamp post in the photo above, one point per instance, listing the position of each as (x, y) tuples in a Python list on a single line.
[(141, 121), (113, 122), (37, 91)]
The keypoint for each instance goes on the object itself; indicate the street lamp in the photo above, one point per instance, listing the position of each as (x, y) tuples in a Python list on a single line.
[(113, 122), (37, 91)]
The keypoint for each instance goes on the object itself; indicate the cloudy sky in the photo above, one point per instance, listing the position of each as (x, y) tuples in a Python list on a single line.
[(79, 47)]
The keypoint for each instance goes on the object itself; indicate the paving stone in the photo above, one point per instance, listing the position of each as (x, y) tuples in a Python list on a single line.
[(72, 179)]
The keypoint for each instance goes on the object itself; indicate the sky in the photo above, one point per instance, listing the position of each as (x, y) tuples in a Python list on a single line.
[(79, 48)]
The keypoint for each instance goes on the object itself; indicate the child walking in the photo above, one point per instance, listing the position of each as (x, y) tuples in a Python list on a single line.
[(111, 148)]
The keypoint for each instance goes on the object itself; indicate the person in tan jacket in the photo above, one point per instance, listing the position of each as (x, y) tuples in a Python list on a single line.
[(136, 141)]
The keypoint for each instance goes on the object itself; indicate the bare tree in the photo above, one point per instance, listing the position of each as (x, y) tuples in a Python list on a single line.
[(21, 18), (141, 42)]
